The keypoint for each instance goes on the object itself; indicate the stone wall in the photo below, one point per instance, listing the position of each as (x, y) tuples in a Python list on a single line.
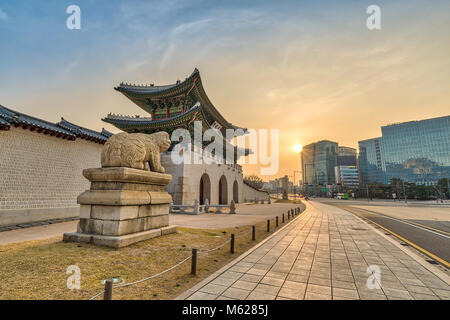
[(249, 194), (41, 176)]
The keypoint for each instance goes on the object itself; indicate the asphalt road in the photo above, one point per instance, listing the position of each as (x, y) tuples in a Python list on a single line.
[(431, 236)]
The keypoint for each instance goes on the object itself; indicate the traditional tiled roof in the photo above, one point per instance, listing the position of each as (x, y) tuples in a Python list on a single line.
[(84, 133), (63, 129), (28, 122), (192, 86), (4, 125), (126, 122)]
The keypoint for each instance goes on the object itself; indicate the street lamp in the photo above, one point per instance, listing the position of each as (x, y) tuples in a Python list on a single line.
[(295, 189)]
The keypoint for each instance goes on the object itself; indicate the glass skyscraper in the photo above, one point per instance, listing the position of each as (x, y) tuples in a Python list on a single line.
[(414, 151), (417, 151), (369, 161), (318, 162)]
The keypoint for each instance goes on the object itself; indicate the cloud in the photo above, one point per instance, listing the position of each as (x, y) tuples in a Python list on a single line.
[(3, 15)]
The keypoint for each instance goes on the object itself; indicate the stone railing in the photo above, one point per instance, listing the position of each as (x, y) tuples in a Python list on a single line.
[(197, 208)]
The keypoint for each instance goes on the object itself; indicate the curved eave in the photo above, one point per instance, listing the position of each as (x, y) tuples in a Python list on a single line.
[(150, 124), (158, 92), (140, 94)]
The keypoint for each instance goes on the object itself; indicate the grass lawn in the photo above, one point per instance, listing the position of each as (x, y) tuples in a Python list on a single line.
[(37, 269)]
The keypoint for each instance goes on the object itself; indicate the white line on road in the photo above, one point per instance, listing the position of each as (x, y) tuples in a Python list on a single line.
[(402, 221)]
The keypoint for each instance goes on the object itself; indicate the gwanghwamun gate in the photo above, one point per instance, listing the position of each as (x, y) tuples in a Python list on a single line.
[(41, 162)]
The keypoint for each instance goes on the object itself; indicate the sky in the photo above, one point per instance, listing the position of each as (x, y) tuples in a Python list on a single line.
[(311, 69)]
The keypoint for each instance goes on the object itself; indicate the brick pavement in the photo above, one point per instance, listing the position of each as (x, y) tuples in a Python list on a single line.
[(323, 254)]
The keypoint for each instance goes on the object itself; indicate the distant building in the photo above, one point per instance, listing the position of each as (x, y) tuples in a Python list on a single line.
[(347, 176), (346, 156), (318, 162), (415, 151), (369, 161), (278, 185)]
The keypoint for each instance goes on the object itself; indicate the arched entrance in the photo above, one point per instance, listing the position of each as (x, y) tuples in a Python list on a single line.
[(223, 190), (205, 189), (235, 192)]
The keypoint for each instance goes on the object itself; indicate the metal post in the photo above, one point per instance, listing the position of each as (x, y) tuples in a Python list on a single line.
[(108, 290), (404, 192), (268, 225), (194, 262), (232, 243), (448, 188), (289, 215), (276, 221), (282, 218), (253, 233)]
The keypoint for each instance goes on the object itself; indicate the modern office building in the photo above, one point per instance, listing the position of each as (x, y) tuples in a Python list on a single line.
[(318, 162), (417, 151), (369, 161), (414, 151), (346, 156), (347, 176)]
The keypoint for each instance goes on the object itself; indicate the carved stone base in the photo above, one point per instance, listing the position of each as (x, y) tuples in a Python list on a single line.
[(122, 206)]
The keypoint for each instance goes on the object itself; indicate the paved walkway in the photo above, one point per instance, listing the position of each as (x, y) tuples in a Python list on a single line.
[(247, 214), (37, 233), (323, 254)]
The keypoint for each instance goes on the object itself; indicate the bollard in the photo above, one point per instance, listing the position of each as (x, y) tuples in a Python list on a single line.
[(276, 221), (108, 290), (232, 243), (282, 218), (268, 225), (289, 215), (253, 233), (194, 262)]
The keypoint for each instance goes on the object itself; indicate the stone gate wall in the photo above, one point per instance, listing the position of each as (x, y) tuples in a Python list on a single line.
[(250, 194)]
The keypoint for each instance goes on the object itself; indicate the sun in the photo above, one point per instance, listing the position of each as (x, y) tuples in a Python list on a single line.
[(297, 148)]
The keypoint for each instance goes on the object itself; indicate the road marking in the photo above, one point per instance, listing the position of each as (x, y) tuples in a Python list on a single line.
[(431, 255), (428, 227), (413, 224)]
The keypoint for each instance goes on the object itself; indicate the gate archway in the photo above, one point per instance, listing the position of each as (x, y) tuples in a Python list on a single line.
[(223, 190), (235, 192), (205, 189)]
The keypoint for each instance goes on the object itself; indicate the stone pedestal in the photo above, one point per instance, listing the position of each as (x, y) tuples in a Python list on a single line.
[(123, 206)]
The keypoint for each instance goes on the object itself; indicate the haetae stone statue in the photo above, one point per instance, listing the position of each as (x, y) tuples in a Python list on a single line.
[(134, 150), (127, 201)]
